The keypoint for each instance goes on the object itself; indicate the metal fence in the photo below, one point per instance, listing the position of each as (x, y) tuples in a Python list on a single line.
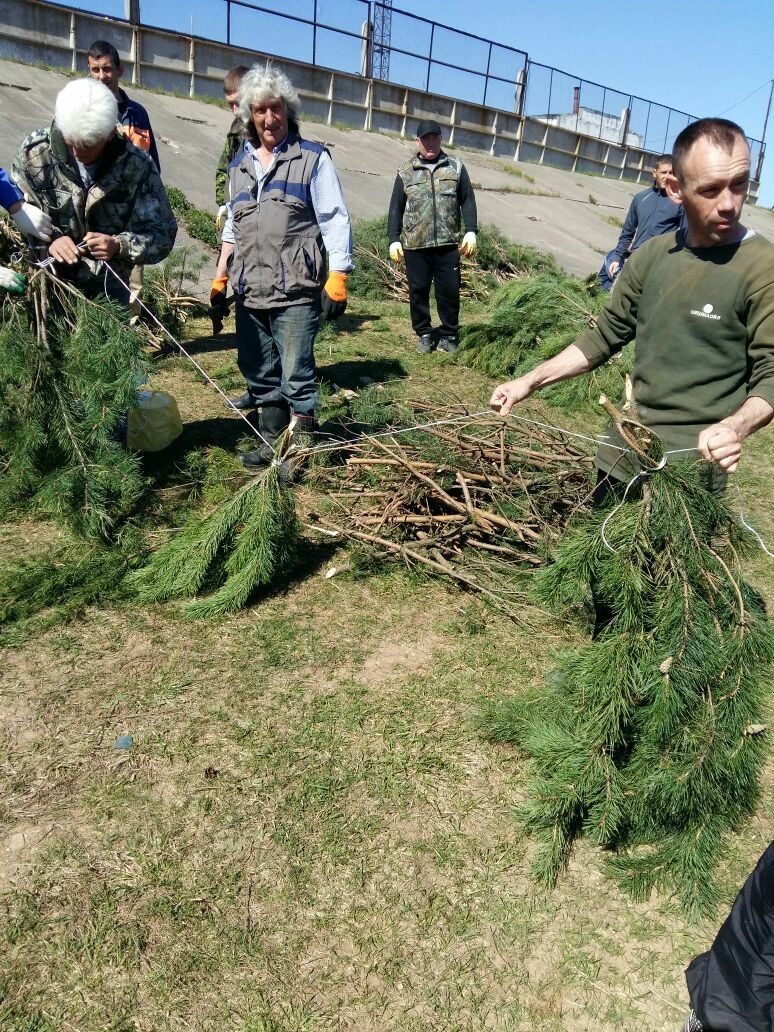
[(421, 54)]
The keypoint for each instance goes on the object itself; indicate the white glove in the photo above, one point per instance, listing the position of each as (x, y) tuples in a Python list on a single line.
[(221, 217), (31, 221), (396, 252), (468, 245), (12, 281)]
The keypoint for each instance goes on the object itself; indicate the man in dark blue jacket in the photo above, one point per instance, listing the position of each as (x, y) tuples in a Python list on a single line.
[(106, 67), (651, 213)]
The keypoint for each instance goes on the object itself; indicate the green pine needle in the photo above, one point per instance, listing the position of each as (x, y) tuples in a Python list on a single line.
[(647, 740), (67, 374), (248, 542)]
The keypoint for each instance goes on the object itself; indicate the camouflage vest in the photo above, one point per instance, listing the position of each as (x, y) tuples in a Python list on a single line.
[(432, 215), (278, 247)]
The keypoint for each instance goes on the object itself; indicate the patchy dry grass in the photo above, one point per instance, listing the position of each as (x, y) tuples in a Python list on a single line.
[(308, 832)]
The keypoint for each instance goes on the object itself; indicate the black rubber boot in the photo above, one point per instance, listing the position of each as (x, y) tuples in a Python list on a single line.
[(244, 401), (271, 419), (304, 424)]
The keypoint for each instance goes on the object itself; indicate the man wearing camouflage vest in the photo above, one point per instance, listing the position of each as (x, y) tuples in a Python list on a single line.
[(104, 195), (432, 196)]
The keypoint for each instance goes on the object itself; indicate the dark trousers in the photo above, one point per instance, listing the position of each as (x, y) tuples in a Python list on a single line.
[(439, 266), (275, 354)]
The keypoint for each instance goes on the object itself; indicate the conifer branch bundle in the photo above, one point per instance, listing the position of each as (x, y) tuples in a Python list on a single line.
[(168, 291), (58, 583), (534, 318), (497, 261), (248, 542), (69, 372), (649, 740)]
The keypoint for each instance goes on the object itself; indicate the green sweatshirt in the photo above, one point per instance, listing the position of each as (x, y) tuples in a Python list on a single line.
[(704, 326)]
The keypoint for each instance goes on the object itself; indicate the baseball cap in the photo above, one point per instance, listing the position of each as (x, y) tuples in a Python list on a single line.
[(428, 126)]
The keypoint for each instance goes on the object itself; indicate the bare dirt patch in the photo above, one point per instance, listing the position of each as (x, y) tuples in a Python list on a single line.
[(391, 661), (18, 847)]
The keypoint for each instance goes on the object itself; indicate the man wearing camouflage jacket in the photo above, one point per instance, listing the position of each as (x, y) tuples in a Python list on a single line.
[(104, 195), (431, 197), (234, 140)]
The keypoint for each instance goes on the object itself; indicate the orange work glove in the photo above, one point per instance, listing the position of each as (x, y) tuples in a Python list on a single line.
[(334, 295), (218, 309), (218, 291)]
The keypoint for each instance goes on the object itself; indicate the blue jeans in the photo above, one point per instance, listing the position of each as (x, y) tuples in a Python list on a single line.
[(275, 353)]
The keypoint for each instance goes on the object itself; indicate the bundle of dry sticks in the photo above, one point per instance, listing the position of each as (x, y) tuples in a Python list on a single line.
[(477, 497)]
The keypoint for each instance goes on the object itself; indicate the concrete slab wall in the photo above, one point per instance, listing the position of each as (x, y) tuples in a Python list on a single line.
[(571, 215), (36, 32)]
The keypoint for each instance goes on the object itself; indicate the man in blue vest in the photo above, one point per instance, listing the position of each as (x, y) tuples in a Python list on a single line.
[(431, 197), (287, 220)]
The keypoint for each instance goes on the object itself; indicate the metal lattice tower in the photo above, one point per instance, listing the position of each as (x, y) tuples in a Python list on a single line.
[(380, 68)]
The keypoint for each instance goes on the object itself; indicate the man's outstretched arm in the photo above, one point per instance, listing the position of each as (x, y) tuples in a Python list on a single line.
[(567, 364)]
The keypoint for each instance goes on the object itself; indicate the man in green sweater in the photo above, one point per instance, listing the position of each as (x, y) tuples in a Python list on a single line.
[(701, 307)]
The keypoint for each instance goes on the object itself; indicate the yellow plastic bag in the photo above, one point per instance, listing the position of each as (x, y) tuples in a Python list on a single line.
[(154, 423)]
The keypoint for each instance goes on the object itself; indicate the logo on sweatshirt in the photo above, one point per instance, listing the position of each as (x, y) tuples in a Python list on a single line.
[(707, 312)]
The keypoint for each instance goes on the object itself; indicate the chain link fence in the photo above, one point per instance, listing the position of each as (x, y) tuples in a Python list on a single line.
[(423, 55)]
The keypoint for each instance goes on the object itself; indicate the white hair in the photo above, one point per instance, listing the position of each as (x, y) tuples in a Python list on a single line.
[(86, 112), (264, 83)]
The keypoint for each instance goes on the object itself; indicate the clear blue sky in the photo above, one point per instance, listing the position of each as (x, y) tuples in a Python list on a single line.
[(701, 56)]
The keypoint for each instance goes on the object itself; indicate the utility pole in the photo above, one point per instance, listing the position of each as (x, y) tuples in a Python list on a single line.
[(132, 11), (762, 151)]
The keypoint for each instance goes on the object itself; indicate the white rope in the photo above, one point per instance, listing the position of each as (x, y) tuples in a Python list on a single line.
[(394, 433), (426, 426), (476, 415), (567, 433), (254, 430), (747, 526), (461, 418), (611, 514)]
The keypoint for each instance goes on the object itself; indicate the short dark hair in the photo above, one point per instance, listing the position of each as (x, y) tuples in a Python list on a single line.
[(233, 79), (662, 159), (719, 131), (101, 48)]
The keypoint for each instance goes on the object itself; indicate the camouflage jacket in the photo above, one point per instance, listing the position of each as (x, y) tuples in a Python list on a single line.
[(234, 141), (427, 200), (127, 200)]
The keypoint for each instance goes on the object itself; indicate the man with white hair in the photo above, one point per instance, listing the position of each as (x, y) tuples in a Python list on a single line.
[(103, 194), (287, 220)]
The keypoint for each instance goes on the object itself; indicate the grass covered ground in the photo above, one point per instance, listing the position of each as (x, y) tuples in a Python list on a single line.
[(309, 832)]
